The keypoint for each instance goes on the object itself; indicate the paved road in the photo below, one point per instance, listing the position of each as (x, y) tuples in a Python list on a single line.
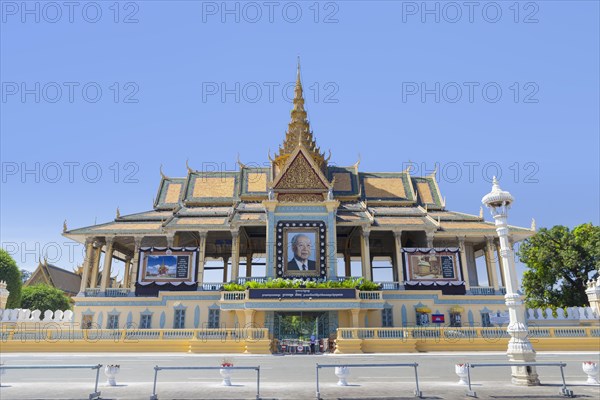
[(285, 377)]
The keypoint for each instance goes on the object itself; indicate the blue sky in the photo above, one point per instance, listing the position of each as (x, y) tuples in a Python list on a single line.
[(96, 97)]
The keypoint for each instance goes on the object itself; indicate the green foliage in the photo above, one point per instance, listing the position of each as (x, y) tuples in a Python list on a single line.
[(233, 287), (9, 272), (279, 283), (560, 262), (43, 297)]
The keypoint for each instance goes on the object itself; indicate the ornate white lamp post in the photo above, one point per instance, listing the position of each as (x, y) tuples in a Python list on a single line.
[(519, 346)]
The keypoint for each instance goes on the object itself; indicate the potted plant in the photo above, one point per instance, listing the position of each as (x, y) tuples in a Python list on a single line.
[(111, 371), (225, 371), (342, 372), (591, 369), (461, 371)]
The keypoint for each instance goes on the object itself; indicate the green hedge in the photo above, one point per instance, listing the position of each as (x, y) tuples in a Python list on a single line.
[(279, 283)]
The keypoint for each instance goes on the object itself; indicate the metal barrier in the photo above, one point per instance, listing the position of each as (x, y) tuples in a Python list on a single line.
[(417, 392), (563, 391), (94, 395), (157, 368)]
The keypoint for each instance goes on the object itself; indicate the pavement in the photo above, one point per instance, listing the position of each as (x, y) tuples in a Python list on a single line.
[(286, 377)]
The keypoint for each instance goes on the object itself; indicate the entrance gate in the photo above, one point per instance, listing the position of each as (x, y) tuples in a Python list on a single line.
[(293, 332)]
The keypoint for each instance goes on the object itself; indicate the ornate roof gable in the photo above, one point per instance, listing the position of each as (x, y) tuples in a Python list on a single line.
[(302, 178)]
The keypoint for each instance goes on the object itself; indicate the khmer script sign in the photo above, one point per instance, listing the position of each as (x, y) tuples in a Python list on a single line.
[(299, 294)]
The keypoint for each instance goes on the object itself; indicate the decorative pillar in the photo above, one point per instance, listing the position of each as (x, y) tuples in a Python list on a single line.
[(249, 264), (490, 263), (235, 255), (355, 321), (95, 265), (87, 265), (519, 346), (399, 269), (108, 254), (463, 260), (225, 267), (365, 253), (429, 239), (201, 256), (170, 239), (347, 263), (127, 271), (136, 261)]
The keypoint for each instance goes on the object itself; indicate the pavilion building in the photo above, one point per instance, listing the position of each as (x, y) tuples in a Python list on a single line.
[(210, 228)]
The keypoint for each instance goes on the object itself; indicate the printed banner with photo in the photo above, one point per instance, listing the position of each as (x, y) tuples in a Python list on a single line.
[(301, 249), (432, 265), (173, 265)]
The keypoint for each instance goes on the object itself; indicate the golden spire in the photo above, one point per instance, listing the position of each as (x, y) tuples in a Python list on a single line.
[(298, 131)]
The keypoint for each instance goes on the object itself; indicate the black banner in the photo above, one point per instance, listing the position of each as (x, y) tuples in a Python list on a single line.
[(295, 294)]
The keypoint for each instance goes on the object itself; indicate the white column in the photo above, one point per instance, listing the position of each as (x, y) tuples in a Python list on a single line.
[(398, 242), (519, 346), (108, 254), (365, 253), (87, 264), (137, 240)]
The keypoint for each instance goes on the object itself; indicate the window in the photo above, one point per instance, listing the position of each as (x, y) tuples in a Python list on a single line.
[(386, 318), (113, 322), (86, 323), (485, 319), (383, 269), (422, 319), (213, 318), (179, 322), (146, 321)]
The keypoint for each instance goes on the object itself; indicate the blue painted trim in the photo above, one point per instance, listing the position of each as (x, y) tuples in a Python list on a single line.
[(437, 300), (148, 302)]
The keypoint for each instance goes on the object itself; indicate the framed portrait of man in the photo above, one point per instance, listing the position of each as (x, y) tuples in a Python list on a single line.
[(301, 249)]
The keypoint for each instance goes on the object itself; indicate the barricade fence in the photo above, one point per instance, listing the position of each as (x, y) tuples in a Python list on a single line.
[(564, 390), (417, 391), (94, 395), (157, 368)]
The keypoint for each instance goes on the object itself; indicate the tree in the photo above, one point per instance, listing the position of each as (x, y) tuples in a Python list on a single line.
[(25, 275), (560, 262), (9, 272), (43, 297)]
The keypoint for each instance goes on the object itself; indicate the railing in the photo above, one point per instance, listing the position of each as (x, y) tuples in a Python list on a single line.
[(40, 334), (368, 295), (482, 291), (244, 279), (233, 296), (212, 286), (117, 292), (391, 285), (92, 292), (446, 332)]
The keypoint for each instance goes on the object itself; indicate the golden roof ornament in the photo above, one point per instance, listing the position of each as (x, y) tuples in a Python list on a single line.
[(298, 132), (118, 213), (64, 226)]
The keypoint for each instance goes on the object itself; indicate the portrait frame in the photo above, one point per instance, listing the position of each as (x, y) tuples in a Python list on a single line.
[(317, 233)]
